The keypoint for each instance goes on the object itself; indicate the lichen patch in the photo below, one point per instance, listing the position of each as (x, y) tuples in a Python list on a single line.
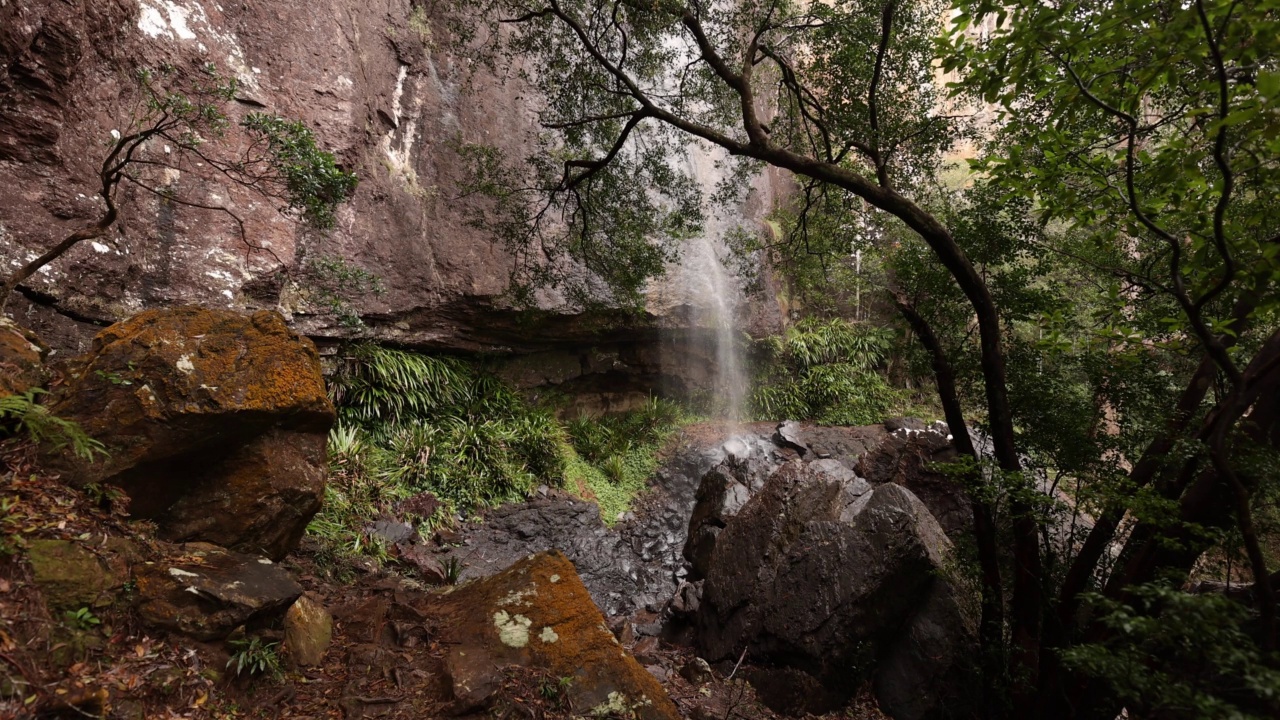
[(518, 596), (513, 630)]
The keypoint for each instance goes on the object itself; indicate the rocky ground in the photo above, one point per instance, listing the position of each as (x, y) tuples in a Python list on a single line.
[(387, 657), (769, 568)]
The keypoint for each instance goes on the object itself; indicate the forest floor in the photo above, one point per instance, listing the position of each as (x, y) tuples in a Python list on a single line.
[(385, 660)]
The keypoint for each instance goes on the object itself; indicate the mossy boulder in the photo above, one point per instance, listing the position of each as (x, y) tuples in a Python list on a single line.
[(215, 423), (69, 575), (537, 614)]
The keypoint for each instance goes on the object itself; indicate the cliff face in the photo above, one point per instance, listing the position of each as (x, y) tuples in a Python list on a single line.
[(374, 80)]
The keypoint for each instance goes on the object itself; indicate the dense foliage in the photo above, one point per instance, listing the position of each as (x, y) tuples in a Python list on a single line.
[(1098, 300), (23, 415), (312, 182), (829, 372)]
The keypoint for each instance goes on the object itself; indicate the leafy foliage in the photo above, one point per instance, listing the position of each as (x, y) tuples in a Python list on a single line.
[(430, 423), (410, 423), (615, 455), (333, 282), (314, 183), (24, 414), (825, 371), (82, 619), (1180, 656), (252, 657)]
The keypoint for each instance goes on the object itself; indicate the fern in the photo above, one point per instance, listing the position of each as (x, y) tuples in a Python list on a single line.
[(23, 413)]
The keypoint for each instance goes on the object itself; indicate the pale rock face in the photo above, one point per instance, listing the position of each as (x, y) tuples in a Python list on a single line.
[(388, 101)]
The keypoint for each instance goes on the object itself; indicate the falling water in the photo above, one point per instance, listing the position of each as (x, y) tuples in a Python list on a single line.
[(705, 285), (713, 294)]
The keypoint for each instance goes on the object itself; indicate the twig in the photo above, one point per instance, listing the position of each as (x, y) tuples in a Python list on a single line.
[(735, 667)]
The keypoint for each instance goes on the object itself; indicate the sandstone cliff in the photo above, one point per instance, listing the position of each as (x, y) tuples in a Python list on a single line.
[(377, 82)]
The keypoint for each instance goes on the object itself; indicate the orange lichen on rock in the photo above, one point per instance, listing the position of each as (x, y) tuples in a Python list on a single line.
[(215, 424), (165, 380), (537, 613)]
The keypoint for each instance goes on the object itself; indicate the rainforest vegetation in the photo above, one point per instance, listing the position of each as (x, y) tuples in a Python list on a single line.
[(1071, 208), (1052, 225)]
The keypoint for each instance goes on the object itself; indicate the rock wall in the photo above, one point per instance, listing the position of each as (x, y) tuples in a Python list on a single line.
[(376, 82)]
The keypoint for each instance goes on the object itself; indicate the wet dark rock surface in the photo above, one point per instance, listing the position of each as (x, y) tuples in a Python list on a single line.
[(640, 563), (820, 551)]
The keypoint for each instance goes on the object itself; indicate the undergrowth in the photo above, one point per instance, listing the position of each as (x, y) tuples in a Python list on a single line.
[(23, 414), (410, 424), (616, 455), (827, 372)]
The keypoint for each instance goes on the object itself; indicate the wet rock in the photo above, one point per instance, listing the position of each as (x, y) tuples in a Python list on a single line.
[(206, 591), (392, 531), (636, 564), (688, 599), (721, 494), (215, 423), (817, 573), (788, 435), (308, 630), (907, 457), (928, 671), (69, 575), (538, 614), (21, 359), (911, 424)]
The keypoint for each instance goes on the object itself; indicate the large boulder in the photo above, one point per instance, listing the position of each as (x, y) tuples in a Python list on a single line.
[(259, 498), (215, 423), (909, 456), (828, 578), (721, 494), (538, 615)]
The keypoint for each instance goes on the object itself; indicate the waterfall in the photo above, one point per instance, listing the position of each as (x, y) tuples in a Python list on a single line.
[(713, 293), (709, 348)]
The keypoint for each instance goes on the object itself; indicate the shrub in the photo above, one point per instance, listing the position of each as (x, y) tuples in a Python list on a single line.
[(1175, 655), (251, 656), (825, 371), (411, 423)]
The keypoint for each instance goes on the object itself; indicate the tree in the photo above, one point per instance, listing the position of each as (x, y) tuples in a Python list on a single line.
[(1140, 135), (281, 160)]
